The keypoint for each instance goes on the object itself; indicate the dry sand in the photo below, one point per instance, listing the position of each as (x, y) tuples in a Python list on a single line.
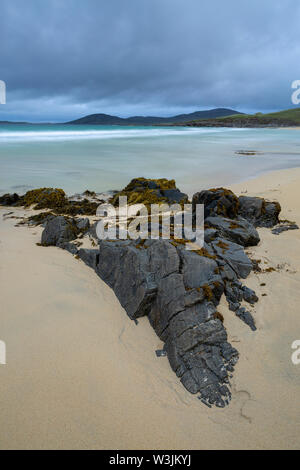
[(80, 374), (290, 128)]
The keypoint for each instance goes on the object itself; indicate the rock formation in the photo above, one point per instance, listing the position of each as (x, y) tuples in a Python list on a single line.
[(177, 289)]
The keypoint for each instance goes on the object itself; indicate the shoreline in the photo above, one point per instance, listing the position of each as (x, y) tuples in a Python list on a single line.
[(80, 374)]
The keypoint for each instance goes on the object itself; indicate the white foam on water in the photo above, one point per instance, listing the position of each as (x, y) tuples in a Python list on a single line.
[(13, 135)]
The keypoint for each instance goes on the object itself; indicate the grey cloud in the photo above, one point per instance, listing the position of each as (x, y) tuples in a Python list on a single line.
[(62, 58)]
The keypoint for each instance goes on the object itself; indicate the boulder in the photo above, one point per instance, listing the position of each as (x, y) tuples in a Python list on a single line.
[(258, 211), (9, 199), (238, 231), (234, 256), (151, 191), (218, 201), (83, 224), (249, 295), (223, 202), (59, 230), (174, 196)]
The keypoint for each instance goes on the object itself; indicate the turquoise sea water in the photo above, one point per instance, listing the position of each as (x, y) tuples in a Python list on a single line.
[(106, 157)]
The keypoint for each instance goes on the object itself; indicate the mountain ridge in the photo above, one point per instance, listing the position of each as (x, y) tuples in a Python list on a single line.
[(106, 119), (285, 118)]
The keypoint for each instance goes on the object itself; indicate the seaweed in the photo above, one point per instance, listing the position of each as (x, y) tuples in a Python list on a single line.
[(39, 219), (145, 196), (224, 246), (140, 245), (269, 270), (161, 183), (234, 225), (218, 316), (201, 252), (56, 200), (207, 291), (44, 198), (145, 191), (89, 193)]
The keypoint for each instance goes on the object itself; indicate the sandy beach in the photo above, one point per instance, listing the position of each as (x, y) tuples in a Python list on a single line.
[(81, 375)]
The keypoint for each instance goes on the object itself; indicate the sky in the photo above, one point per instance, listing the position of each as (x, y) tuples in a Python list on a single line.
[(63, 59)]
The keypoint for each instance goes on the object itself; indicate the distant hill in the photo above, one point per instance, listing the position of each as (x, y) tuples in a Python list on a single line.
[(12, 122), (286, 118), (219, 117), (107, 120)]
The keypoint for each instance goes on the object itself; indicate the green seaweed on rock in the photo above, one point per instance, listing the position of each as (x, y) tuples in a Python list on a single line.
[(44, 198), (161, 183), (146, 191), (56, 200)]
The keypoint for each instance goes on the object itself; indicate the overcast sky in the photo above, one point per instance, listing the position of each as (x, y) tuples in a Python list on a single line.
[(62, 59)]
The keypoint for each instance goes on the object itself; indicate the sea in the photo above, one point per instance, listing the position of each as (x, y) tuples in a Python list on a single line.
[(103, 158)]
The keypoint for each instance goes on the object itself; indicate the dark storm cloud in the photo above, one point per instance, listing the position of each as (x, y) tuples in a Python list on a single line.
[(64, 58)]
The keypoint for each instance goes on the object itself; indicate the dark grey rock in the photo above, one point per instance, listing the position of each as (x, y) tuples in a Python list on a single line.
[(59, 230), (226, 272), (70, 247), (218, 201), (168, 302), (233, 292), (83, 224), (246, 317), (234, 256), (258, 211), (197, 270), (238, 231), (89, 256), (126, 270), (152, 185), (250, 207), (249, 295), (193, 296), (160, 353), (229, 352), (174, 196), (233, 306), (283, 228), (223, 202), (9, 199), (93, 230), (163, 258), (210, 234)]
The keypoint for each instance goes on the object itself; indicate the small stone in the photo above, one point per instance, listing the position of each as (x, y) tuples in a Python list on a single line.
[(283, 228), (160, 353)]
